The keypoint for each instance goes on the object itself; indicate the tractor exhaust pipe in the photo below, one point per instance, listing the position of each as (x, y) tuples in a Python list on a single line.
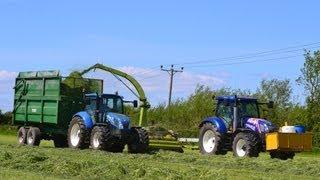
[(235, 114)]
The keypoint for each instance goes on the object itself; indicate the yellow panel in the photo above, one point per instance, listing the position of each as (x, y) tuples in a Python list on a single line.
[(272, 141), (289, 141)]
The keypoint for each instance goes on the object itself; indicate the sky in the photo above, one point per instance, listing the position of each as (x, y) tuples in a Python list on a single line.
[(139, 36)]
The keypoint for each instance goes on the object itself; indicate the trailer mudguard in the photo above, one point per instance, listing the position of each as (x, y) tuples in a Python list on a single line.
[(85, 116), (217, 122)]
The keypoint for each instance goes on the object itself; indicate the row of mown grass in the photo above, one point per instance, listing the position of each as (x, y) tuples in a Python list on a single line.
[(88, 164)]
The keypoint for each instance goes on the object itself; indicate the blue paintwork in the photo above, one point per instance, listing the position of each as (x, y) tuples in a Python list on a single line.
[(85, 116), (300, 129), (118, 121), (218, 122), (232, 99), (258, 125)]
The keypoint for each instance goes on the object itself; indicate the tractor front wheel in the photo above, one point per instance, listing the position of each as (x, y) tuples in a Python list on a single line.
[(245, 145), (78, 134), (100, 136), (211, 141), (139, 140)]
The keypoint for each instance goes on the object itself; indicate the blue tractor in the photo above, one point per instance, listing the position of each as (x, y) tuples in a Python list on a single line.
[(238, 127), (103, 126)]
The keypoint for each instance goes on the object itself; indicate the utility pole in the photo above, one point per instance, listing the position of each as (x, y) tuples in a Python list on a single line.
[(171, 73)]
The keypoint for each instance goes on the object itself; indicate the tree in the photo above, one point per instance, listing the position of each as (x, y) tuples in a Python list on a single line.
[(5, 118), (278, 91), (310, 80), (310, 77), (1, 117)]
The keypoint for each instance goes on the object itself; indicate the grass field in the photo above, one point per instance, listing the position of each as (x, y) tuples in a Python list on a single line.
[(46, 162)]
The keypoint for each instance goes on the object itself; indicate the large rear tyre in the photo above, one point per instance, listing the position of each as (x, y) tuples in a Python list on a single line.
[(78, 135), (282, 155), (33, 136), (246, 145), (60, 141), (139, 140), (22, 136), (211, 142)]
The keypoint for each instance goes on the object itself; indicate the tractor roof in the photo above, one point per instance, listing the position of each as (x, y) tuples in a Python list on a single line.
[(101, 95), (233, 98)]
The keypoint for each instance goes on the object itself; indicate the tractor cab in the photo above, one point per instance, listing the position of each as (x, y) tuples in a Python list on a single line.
[(107, 108), (103, 103), (236, 111)]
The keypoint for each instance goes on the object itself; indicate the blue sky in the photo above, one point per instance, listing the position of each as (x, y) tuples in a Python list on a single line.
[(139, 35)]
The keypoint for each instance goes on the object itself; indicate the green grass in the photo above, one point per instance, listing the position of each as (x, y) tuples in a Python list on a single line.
[(46, 162)]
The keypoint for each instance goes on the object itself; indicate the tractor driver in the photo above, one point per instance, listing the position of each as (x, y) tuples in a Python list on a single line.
[(225, 111)]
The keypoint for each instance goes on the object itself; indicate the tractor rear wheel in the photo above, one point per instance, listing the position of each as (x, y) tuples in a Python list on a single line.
[(282, 155), (139, 140), (33, 136), (22, 136), (246, 145), (78, 135), (211, 142)]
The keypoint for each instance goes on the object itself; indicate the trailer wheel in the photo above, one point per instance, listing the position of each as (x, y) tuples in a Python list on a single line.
[(22, 136), (60, 141), (246, 145), (33, 136), (139, 140), (282, 155), (78, 135), (211, 141)]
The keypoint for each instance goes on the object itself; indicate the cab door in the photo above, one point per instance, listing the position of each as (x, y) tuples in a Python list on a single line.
[(92, 107)]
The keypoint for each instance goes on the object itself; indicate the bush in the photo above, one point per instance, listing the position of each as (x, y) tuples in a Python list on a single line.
[(6, 118)]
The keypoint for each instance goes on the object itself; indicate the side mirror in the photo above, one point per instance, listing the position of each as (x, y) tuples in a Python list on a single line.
[(135, 103), (270, 104)]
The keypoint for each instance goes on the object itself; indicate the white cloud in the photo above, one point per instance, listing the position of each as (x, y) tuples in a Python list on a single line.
[(7, 80), (7, 75), (156, 82)]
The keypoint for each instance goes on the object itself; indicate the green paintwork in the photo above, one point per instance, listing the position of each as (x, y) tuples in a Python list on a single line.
[(47, 100), (144, 104)]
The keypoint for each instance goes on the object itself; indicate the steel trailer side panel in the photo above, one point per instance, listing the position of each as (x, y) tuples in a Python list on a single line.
[(36, 100)]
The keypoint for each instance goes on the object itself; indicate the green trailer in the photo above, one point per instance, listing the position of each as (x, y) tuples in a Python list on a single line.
[(45, 105), (48, 101)]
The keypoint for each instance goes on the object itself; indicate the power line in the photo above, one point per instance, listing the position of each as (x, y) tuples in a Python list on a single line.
[(257, 54), (150, 77), (151, 69), (171, 73), (232, 63), (245, 62)]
